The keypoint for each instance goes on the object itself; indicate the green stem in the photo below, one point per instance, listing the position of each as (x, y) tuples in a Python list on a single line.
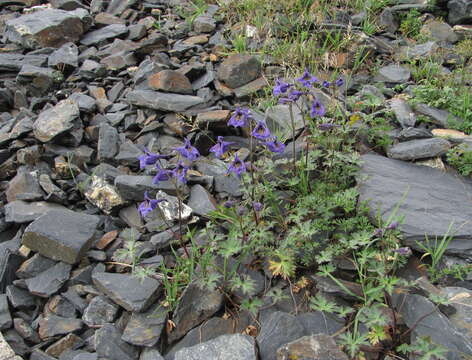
[(292, 122)]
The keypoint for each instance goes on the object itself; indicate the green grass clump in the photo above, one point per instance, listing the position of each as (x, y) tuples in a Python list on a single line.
[(461, 158)]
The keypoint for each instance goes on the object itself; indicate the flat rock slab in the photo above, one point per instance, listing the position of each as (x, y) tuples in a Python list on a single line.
[(224, 347), (6, 352), (45, 28), (19, 211), (50, 281), (127, 290), (315, 347), (419, 149), (109, 345), (428, 199), (105, 33), (163, 101), (61, 235)]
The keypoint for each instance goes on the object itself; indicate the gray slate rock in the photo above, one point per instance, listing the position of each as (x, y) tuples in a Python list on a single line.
[(419, 149), (437, 326), (5, 317), (106, 33), (132, 187), (56, 120), (439, 31), (99, 311), (429, 200), (49, 281), (238, 70), (403, 112), (201, 201), (108, 142), (108, 344), (13, 62), (393, 74), (163, 101), (204, 24), (45, 28), (20, 298), (195, 306), (84, 102), (52, 325), (462, 318), (225, 347), (144, 329), (277, 329), (61, 235), (315, 347), (23, 212), (67, 54), (438, 116), (117, 287), (460, 11), (37, 79)]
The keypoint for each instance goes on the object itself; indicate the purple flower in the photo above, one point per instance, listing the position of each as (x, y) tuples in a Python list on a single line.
[(393, 225), (148, 205), (239, 117), (307, 79), (188, 151), (317, 109), (281, 87), (237, 166), (378, 232), (275, 146), (148, 158), (180, 172), (241, 210), (220, 147), (261, 131), (292, 97), (403, 251), (162, 175), (326, 84), (327, 126), (339, 82), (257, 206), (229, 204)]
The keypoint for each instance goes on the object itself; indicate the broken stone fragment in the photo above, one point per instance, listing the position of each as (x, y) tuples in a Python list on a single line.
[(49, 281), (61, 235), (56, 120), (55, 325), (170, 81), (45, 28), (238, 70), (103, 195)]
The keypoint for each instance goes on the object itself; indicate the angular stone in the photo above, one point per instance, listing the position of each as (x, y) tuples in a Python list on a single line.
[(108, 32), (35, 265), (419, 149), (251, 88), (19, 211), (84, 102), (24, 186), (19, 298), (38, 80), (169, 208), (6, 352), (67, 5), (201, 201), (150, 354), (393, 74), (460, 12), (40, 355), (228, 347), (403, 112), (170, 81), (163, 101), (108, 140), (204, 24), (108, 344), (60, 306), (25, 330), (55, 121), (13, 62), (438, 117), (315, 347), (195, 306), (49, 281), (439, 31), (103, 195), (61, 235), (52, 325), (117, 7), (418, 51), (99, 311), (116, 287), (45, 28), (67, 54), (238, 70), (214, 120), (68, 342), (277, 329), (435, 325), (428, 199), (145, 329), (132, 187), (278, 120), (5, 317), (461, 301)]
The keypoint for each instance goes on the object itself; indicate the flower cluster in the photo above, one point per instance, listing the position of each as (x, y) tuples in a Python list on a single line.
[(178, 172), (242, 118), (290, 93)]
